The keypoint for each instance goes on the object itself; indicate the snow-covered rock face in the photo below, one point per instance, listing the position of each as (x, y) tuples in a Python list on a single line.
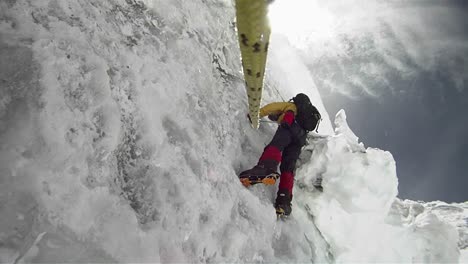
[(358, 213), (427, 237), (359, 187), (122, 130), (456, 214), (437, 227), (359, 179), (114, 120)]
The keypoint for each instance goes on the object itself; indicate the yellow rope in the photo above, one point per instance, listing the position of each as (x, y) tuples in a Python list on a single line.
[(253, 32)]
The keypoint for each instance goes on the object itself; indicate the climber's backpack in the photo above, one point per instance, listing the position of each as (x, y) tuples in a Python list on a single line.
[(308, 117)]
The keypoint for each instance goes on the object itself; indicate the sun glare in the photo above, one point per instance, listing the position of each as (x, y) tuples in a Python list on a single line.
[(300, 20)]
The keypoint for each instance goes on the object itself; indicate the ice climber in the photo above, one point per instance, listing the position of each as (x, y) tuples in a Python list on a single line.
[(295, 118)]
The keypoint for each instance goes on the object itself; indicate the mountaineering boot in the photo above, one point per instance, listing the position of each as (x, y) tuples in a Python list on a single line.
[(264, 172), (283, 202)]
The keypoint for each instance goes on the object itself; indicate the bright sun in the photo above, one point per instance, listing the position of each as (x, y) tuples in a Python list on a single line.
[(300, 20)]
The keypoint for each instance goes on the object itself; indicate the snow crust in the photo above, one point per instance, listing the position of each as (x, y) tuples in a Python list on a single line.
[(357, 212), (123, 130)]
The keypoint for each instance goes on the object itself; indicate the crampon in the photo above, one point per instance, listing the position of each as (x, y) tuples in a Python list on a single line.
[(252, 179)]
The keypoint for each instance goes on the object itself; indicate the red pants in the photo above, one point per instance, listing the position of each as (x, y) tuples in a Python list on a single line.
[(285, 147)]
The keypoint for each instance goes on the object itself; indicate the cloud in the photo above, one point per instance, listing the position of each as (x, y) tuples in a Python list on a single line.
[(377, 47)]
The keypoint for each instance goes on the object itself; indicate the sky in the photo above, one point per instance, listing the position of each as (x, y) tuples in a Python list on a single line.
[(400, 70)]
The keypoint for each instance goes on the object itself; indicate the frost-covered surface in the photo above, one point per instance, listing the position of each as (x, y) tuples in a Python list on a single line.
[(418, 215), (423, 229), (357, 212), (456, 214), (123, 129)]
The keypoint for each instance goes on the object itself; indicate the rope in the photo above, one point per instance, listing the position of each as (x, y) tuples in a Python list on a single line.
[(253, 32)]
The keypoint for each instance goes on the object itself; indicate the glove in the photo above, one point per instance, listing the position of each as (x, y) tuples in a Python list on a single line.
[(288, 119), (273, 117)]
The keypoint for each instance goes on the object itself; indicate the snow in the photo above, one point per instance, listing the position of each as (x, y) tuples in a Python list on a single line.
[(123, 129)]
